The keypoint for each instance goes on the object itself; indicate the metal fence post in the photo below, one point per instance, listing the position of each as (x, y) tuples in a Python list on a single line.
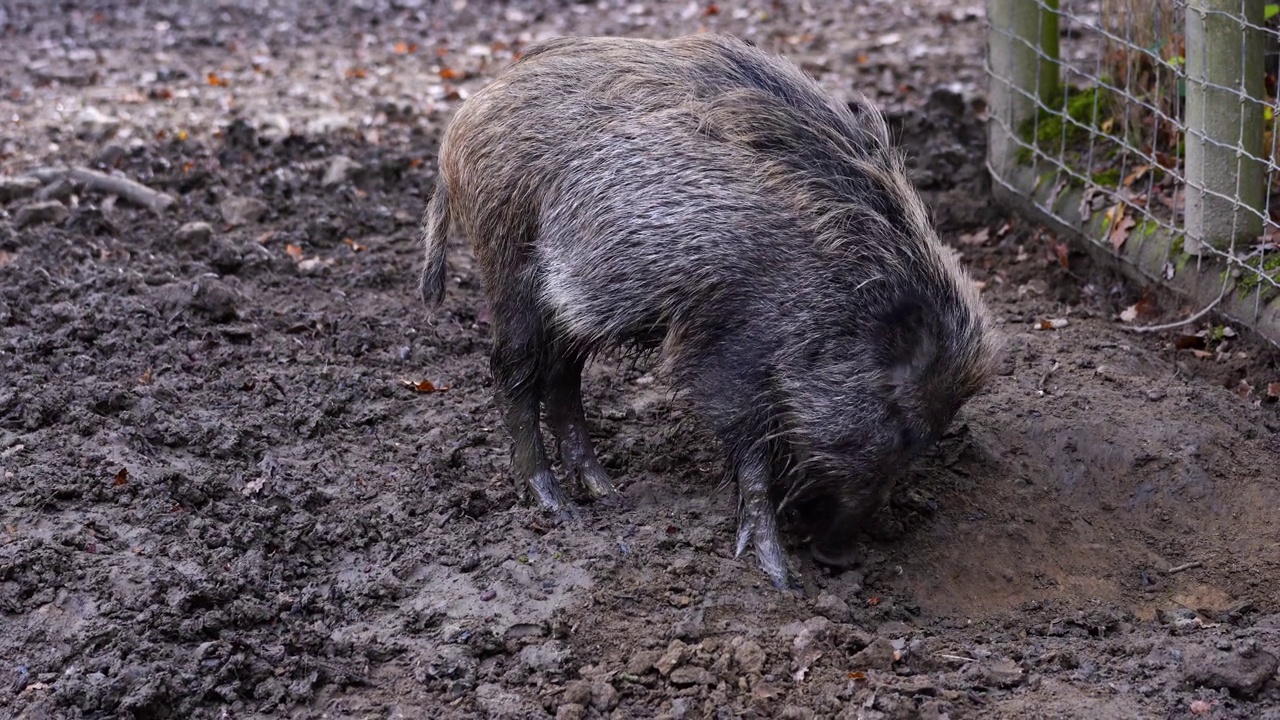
[(1225, 189), (1023, 69)]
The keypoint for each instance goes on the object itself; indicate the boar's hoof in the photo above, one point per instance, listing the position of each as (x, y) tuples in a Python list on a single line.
[(551, 497), (839, 556), (761, 531)]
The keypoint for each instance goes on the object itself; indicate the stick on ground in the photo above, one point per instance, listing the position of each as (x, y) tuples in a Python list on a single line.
[(130, 190)]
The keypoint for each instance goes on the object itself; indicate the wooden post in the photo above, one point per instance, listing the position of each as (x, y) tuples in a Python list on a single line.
[(1022, 49), (1224, 166)]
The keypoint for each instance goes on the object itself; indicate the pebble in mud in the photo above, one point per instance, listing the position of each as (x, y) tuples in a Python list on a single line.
[(38, 213), (243, 210), (1242, 671), (193, 234), (16, 188), (674, 656), (879, 655), (749, 656), (831, 607)]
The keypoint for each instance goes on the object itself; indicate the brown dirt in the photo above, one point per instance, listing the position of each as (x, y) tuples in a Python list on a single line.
[(220, 499)]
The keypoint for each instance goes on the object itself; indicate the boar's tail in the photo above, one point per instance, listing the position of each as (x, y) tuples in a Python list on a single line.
[(435, 240)]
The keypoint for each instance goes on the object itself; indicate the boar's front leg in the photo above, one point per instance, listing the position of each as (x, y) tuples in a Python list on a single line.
[(562, 397), (757, 519), (517, 356)]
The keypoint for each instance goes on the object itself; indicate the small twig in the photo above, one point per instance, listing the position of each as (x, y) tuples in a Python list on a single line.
[(134, 192), (1045, 377), (958, 658), (130, 190), (1184, 566), (1173, 325)]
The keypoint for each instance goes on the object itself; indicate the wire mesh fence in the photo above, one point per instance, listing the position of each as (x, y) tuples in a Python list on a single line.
[(1150, 127)]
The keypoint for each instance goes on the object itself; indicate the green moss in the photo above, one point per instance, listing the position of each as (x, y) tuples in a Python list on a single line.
[(1107, 178), (1147, 228), (1178, 246), (1268, 265), (1070, 116)]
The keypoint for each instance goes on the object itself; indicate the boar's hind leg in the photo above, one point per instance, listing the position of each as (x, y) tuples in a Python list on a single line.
[(517, 352), (562, 396), (757, 520)]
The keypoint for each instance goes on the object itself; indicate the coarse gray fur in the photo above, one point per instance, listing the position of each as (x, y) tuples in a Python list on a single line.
[(703, 198)]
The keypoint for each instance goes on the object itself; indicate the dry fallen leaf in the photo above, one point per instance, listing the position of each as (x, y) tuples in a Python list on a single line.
[(403, 48), (356, 73), (856, 675), (1273, 391), (294, 251), (976, 238), (145, 377), (425, 386), (451, 74), (1202, 354), (355, 246), (1051, 324), (254, 486), (216, 81), (873, 600), (1244, 390), (1120, 225), (712, 9), (122, 477), (1136, 175), (1061, 251), (1188, 342)]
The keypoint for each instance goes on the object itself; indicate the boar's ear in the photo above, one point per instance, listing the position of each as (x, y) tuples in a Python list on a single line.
[(910, 342)]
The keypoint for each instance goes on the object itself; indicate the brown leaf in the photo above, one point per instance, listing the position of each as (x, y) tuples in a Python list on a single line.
[(145, 377), (355, 246), (1146, 307), (1136, 175), (1244, 389), (356, 73), (294, 251), (712, 9), (1273, 391), (122, 477), (1061, 250), (404, 48), (1120, 225), (215, 80), (1188, 342), (873, 600), (425, 386), (451, 74), (1052, 324), (856, 676)]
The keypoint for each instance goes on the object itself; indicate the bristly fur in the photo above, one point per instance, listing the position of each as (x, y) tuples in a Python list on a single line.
[(709, 200)]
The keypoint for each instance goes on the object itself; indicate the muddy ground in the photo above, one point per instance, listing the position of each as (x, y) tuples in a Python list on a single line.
[(219, 497)]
